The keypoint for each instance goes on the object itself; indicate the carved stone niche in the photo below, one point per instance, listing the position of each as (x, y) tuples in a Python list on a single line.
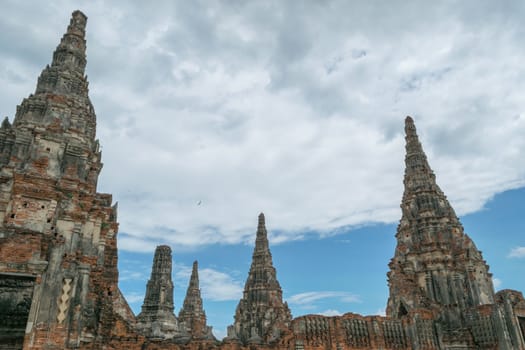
[(16, 295)]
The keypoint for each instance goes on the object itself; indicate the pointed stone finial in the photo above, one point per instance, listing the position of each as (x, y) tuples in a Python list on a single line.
[(410, 128), (261, 223), (70, 54), (261, 242), (61, 105), (420, 181), (415, 156), (77, 24), (65, 76), (194, 279), (261, 226)]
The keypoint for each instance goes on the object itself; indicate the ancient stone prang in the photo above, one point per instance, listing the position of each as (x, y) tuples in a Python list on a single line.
[(261, 316), (436, 265), (157, 319), (437, 270), (58, 251), (192, 318)]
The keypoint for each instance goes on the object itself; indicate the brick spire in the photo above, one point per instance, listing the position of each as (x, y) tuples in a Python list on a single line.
[(192, 318), (65, 76), (62, 112), (262, 248), (61, 85), (261, 315), (420, 181), (435, 262), (71, 52), (50, 162), (157, 319)]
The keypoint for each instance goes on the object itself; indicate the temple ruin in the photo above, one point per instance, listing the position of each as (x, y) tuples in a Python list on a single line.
[(261, 316), (192, 317), (157, 319), (58, 254)]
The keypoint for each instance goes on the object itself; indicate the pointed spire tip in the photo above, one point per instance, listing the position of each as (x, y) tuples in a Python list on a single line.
[(78, 13), (79, 18), (194, 278), (410, 127), (262, 223), (77, 24)]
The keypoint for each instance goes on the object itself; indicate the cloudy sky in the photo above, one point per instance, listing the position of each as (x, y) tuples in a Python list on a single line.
[(210, 112)]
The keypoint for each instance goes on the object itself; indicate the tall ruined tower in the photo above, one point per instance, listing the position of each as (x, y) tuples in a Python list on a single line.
[(157, 319), (58, 261), (436, 268), (261, 315), (435, 263), (192, 318)]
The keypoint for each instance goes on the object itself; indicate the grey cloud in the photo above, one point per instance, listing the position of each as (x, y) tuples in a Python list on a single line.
[(11, 76), (294, 108)]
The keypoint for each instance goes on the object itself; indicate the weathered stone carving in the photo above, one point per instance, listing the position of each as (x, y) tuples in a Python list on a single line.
[(356, 332), (63, 301)]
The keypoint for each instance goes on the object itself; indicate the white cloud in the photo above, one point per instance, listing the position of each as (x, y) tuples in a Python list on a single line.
[(517, 252), (330, 312), (136, 244), (132, 297), (298, 115), (127, 275), (497, 283), (215, 285), (220, 333), (219, 286), (380, 312), (307, 298)]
